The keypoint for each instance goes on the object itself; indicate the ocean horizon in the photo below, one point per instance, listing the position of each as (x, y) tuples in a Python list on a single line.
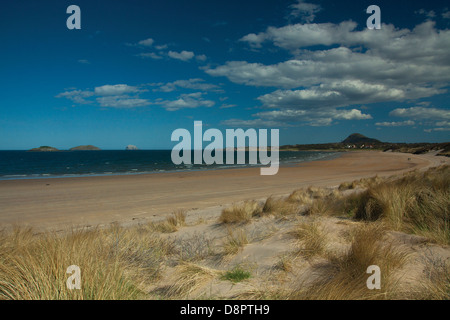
[(20, 164)]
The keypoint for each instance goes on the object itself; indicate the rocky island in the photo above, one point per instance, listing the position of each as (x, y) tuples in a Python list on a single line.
[(44, 149), (85, 148)]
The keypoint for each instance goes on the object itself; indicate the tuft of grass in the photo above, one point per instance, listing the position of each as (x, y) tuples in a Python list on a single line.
[(242, 212), (437, 280), (417, 203), (312, 239), (347, 185), (189, 278), (237, 274), (172, 222), (235, 241), (114, 263), (285, 263), (177, 219), (345, 276), (300, 196), (195, 248), (280, 207)]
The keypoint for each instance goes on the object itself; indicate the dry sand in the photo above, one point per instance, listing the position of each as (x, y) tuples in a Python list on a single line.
[(59, 203)]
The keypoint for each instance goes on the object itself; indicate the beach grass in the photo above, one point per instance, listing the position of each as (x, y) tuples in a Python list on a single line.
[(114, 263), (242, 212), (122, 263)]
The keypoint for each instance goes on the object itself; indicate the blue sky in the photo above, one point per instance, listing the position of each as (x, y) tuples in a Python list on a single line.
[(138, 70)]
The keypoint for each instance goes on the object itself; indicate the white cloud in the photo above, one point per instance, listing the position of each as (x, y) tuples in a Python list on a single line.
[(194, 84), (334, 94), (421, 113), (312, 117), (306, 11), (77, 96), (443, 124), (114, 90), (396, 124), (151, 55), (147, 42), (227, 106), (183, 55), (200, 57), (366, 67), (254, 123), (114, 96), (353, 114), (446, 14), (191, 100), (429, 14), (437, 129), (123, 101)]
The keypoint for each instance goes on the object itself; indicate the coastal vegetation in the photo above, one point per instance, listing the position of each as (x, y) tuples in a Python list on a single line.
[(314, 243), (358, 141)]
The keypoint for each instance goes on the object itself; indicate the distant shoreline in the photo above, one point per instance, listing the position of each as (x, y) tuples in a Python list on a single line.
[(302, 157)]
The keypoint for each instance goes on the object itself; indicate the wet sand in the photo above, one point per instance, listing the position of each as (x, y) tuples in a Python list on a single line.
[(59, 203)]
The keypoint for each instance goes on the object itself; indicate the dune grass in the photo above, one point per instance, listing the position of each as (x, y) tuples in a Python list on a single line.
[(235, 241), (122, 263), (172, 223), (418, 203), (240, 213), (311, 237), (188, 278), (280, 207), (343, 276), (115, 263)]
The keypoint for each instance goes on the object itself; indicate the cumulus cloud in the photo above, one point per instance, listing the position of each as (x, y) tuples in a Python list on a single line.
[(147, 42), (77, 96), (183, 55), (429, 14), (396, 124), (123, 101), (312, 117), (191, 100), (254, 123), (115, 90), (194, 84), (151, 55), (421, 113), (113, 96), (306, 11), (355, 67), (337, 94), (446, 14)]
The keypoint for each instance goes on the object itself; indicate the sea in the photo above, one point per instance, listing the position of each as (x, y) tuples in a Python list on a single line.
[(61, 164)]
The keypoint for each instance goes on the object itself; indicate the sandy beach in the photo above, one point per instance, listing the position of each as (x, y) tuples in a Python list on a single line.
[(58, 203)]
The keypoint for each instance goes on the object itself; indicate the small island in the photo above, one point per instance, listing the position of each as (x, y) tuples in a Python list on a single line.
[(85, 148), (44, 149), (131, 147)]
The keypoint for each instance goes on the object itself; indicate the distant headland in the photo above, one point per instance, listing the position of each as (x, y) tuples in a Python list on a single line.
[(359, 141)]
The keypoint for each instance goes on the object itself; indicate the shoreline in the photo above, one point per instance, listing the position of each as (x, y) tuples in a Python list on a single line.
[(101, 200), (202, 168)]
